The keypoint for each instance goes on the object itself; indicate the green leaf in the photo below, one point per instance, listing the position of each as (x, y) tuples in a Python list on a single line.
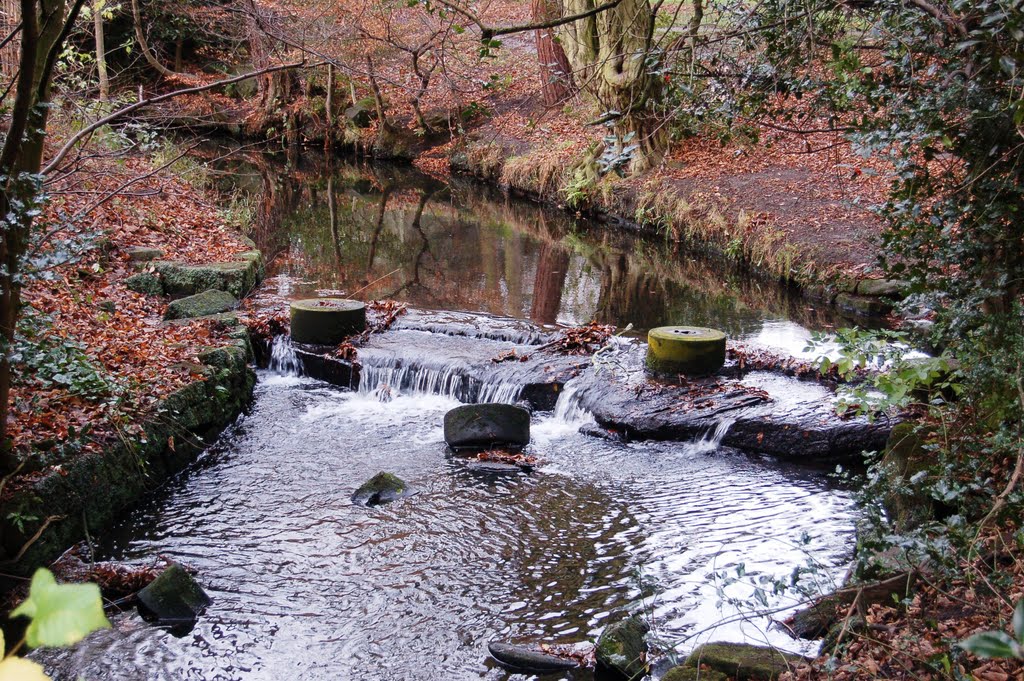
[(62, 614), (1018, 621), (990, 644)]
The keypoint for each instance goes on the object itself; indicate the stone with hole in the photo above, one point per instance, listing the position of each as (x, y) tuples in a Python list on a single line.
[(689, 350), (326, 321)]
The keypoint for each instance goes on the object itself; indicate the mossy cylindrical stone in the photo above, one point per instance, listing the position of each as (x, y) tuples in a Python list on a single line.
[(326, 321), (690, 350)]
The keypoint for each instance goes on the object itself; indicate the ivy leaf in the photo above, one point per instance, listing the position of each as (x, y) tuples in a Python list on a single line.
[(20, 669), (62, 614), (996, 644)]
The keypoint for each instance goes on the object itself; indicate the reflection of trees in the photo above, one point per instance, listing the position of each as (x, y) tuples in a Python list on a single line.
[(417, 225), (549, 283), (378, 225), (481, 250)]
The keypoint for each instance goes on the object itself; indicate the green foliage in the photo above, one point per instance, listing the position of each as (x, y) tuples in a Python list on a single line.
[(882, 373), (53, 362), (999, 644), (61, 614)]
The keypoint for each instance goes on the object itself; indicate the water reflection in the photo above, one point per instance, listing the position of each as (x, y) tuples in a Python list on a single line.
[(384, 232)]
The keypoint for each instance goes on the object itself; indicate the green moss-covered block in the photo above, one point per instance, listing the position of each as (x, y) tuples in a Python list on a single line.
[(237, 277), (890, 288), (145, 283), (201, 305), (690, 350), (226, 357), (744, 662), (382, 488), (684, 673), (174, 597), (906, 459), (144, 254), (622, 649)]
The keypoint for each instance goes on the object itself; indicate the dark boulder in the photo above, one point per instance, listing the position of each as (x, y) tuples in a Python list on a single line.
[(529, 660), (174, 598), (486, 426)]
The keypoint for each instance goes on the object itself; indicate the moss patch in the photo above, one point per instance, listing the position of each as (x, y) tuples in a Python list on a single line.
[(742, 661)]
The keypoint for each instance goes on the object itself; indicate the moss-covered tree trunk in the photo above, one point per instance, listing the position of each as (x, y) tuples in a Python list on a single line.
[(612, 52)]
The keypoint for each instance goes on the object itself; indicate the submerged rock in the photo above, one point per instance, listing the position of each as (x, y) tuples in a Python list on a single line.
[(173, 598), (486, 426), (744, 662), (201, 305), (528, 659), (622, 649), (684, 673), (382, 488)]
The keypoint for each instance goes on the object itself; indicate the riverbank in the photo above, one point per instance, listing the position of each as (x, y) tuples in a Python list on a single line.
[(116, 387)]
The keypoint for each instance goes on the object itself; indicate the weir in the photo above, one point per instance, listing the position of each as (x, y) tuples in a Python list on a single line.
[(305, 584)]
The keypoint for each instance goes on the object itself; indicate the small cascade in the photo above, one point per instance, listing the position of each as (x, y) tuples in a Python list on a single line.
[(712, 440), (283, 360), (393, 376), (569, 407)]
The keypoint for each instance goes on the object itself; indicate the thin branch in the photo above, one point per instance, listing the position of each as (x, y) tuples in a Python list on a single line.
[(488, 32)]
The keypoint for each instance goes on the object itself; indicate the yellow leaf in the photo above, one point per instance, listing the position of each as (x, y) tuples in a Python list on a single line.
[(20, 669)]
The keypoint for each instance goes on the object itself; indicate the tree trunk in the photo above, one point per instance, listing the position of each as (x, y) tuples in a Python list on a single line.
[(140, 36), (101, 50), (329, 111), (10, 15), (613, 51), (45, 24), (555, 72)]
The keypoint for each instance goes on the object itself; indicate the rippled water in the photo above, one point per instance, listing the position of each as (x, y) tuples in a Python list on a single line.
[(308, 586)]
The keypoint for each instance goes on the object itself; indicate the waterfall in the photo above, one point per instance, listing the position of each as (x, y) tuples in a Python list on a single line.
[(283, 359), (712, 440), (388, 377), (569, 407)]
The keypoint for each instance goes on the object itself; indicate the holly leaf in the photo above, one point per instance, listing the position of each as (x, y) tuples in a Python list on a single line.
[(62, 614), (996, 644)]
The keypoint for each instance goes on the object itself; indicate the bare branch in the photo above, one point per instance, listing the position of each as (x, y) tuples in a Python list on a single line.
[(120, 113)]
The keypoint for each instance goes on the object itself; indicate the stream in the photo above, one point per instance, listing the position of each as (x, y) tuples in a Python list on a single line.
[(308, 586)]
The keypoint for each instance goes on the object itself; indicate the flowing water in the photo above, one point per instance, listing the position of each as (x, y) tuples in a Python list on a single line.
[(308, 586)]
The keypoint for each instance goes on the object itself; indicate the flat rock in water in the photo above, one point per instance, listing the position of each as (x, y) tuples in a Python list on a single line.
[(528, 659)]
